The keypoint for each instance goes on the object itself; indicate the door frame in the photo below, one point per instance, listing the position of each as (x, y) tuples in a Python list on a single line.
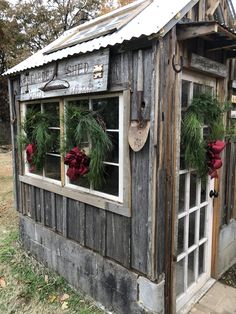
[(213, 237)]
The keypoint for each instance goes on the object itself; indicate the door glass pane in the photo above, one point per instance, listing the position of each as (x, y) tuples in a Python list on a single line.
[(201, 259), (181, 235), (53, 167), (191, 231), (180, 277), (182, 193), (193, 189), (203, 191), (202, 222), (191, 268)]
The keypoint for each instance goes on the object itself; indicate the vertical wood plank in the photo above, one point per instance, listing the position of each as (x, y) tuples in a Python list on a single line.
[(32, 202), (59, 213), (95, 229), (48, 209), (53, 211), (38, 204), (75, 220), (118, 238), (42, 206), (64, 227)]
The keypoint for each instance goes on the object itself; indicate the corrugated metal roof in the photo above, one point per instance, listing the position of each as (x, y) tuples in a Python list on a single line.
[(159, 17)]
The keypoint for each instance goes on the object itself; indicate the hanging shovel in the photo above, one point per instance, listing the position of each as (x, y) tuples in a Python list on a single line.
[(139, 129)]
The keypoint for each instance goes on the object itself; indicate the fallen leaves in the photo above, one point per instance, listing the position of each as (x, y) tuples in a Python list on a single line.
[(64, 306), (3, 282), (64, 297)]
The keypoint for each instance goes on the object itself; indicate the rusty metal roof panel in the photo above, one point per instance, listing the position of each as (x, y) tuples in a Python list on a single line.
[(156, 16)]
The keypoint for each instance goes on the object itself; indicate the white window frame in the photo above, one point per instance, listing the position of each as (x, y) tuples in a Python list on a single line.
[(120, 204)]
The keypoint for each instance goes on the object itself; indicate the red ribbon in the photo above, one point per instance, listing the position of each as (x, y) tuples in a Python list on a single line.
[(78, 163), (214, 159), (30, 152)]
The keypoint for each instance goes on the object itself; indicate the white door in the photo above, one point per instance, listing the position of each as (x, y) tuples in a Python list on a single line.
[(195, 214)]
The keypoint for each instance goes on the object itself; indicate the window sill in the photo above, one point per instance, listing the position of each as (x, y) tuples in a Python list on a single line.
[(87, 198)]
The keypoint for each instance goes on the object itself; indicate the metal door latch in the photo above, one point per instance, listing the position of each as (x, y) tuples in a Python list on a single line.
[(213, 193)]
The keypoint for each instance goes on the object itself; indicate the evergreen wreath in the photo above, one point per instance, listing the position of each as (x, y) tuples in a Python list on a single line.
[(83, 125), (205, 109), (36, 137)]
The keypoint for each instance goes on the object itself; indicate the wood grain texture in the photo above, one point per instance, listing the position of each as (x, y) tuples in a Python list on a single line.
[(59, 213), (118, 238), (95, 229), (75, 220), (37, 205), (48, 209)]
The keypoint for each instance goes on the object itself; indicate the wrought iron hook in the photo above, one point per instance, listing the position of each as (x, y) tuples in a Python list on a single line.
[(175, 65)]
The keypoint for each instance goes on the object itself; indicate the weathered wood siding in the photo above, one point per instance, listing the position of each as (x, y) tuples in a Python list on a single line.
[(120, 238)]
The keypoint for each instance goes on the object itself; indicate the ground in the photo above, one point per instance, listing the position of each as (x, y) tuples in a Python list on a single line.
[(25, 285)]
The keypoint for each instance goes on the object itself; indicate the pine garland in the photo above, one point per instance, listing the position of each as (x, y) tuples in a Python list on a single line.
[(35, 130), (83, 125), (205, 109)]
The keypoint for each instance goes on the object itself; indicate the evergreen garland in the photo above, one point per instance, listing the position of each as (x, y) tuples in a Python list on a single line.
[(205, 109), (35, 130), (84, 125)]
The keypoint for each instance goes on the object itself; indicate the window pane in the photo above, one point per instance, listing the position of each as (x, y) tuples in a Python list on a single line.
[(185, 93), (55, 145), (182, 193), (81, 181), (203, 191), (83, 103), (111, 180), (201, 259), (190, 268), (193, 187), (202, 222), (113, 155), (191, 232), (181, 227), (108, 108), (197, 89), (53, 167), (53, 110), (180, 277)]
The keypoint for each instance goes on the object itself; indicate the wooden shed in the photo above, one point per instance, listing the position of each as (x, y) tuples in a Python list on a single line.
[(152, 236)]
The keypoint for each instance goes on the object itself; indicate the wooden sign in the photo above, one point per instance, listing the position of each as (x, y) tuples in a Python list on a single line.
[(233, 99), (72, 76), (233, 114), (208, 66)]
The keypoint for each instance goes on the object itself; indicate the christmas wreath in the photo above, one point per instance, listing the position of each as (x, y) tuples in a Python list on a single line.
[(36, 138), (202, 152), (86, 126)]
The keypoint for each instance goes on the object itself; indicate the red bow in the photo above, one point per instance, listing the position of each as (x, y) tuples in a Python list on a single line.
[(30, 152), (78, 163), (214, 159)]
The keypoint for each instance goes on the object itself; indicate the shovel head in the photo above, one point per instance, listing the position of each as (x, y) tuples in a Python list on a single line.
[(138, 135)]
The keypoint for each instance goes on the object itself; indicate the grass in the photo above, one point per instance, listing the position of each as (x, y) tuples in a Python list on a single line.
[(26, 286)]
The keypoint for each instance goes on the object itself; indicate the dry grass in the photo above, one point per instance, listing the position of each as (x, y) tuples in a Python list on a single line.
[(26, 286)]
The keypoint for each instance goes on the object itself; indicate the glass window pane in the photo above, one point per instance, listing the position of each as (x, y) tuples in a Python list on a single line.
[(202, 222), (111, 180), (53, 167), (182, 178), (197, 89), (203, 191), (113, 155), (201, 259), (55, 145), (191, 268), (185, 93), (181, 228), (81, 181), (193, 189), (180, 277), (82, 103), (53, 110), (108, 108), (191, 231)]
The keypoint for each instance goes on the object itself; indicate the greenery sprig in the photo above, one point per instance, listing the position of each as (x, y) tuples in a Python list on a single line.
[(205, 110), (35, 130), (82, 126)]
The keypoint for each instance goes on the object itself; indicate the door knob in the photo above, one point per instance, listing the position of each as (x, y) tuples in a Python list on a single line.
[(213, 193)]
